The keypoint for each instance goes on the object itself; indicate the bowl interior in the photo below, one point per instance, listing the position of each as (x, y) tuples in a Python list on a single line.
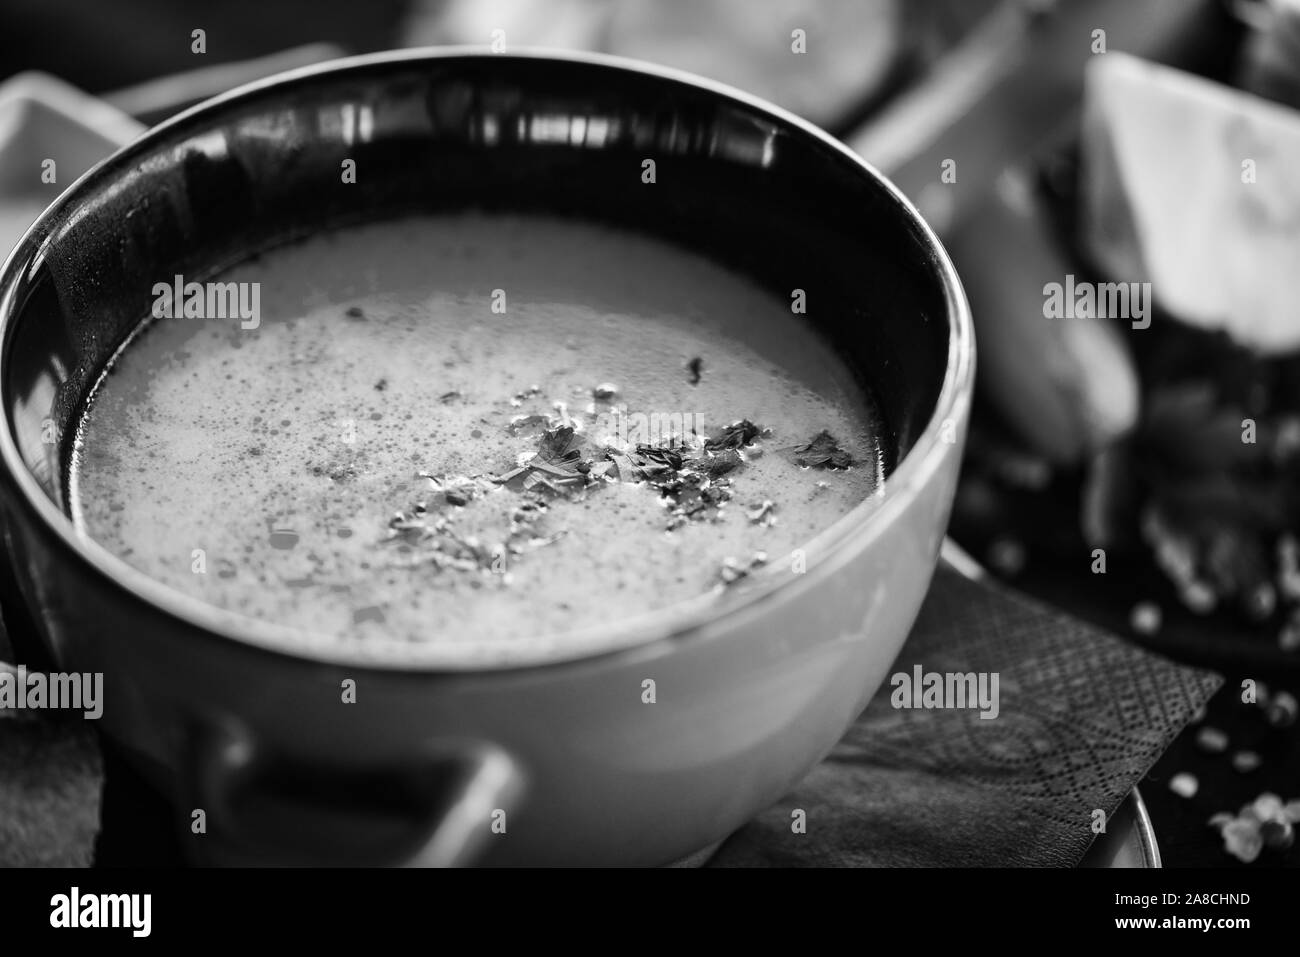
[(493, 133)]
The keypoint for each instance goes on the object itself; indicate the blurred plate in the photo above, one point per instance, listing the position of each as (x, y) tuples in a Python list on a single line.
[(1129, 841)]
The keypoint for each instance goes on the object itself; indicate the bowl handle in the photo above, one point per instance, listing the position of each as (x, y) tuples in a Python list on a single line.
[(438, 810)]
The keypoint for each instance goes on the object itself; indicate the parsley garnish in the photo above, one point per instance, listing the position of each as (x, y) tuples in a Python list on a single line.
[(735, 436), (822, 452)]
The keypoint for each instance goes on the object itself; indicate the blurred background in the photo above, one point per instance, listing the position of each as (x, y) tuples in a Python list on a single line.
[(1139, 470)]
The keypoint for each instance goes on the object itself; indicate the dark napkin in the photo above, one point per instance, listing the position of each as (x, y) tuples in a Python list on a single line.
[(1083, 716)]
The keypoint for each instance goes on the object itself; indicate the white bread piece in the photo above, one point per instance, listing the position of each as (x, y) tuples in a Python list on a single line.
[(1166, 161)]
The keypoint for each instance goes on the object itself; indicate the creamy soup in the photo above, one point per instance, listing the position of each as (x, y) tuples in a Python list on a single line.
[(475, 428)]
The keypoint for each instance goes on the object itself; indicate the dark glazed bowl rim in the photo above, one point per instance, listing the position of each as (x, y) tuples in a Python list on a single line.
[(646, 634)]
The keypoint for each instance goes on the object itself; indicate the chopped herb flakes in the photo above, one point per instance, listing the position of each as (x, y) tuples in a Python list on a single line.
[(735, 436), (692, 476), (446, 548), (822, 452), (557, 465), (720, 463)]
